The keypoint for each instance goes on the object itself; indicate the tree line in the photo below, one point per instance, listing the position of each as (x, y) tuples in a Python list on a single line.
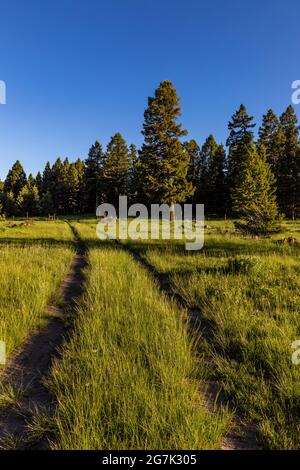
[(257, 179)]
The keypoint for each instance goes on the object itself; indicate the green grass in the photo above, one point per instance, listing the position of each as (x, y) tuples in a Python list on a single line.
[(55, 232), (33, 262), (250, 290), (129, 378)]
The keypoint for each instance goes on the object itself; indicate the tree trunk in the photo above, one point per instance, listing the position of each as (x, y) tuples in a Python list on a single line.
[(172, 212)]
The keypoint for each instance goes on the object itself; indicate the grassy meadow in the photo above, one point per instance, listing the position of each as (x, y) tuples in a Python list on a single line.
[(249, 290), (131, 360), (34, 259), (131, 376)]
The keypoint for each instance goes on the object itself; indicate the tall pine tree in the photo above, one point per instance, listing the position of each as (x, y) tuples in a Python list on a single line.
[(15, 180), (164, 160), (240, 136), (92, 177), (194, 152), (289, 166), (133, 183), (272, 137), (47, 179), (215, 189), (116, 169), (254, 198)]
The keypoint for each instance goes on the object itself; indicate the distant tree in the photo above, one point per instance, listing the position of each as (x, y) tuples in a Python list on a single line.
[(165, 162), (79, 188), (133, 183), (92, 177), (46, 204), (194, 168), (9, 204), (15, 180), (272, 137), (2, 198), (47, 179), (240, 136), (215, 189), (57, 185), (38, 182), (28, 201), (72, 186), (289, 166), (208, 149), (254, 198), (133, 153), (30, 180), (116, 169)]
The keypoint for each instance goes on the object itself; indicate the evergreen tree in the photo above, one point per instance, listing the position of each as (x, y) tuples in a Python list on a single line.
[(2, 199), (73, 176), (165, 162), (289, 166), (254, 195), (194, 168), (116, 169), (57, 186), (9, 204), (28, 200), (46, 204), (208, 149), (47, 179), (133, 183), (79, 166), (240, 136), (15, 180), (92, 177), (38, 182), (272, 137), (133, 154), (215, 189), (30, 180)]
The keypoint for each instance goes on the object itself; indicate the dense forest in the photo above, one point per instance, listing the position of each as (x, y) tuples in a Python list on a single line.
[(248, 174)]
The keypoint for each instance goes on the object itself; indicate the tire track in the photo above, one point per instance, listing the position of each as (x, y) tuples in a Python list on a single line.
[(31, 363), (243, 434)]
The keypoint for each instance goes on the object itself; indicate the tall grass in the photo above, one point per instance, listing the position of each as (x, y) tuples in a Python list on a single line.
[(26, 231), (128, 379), (250, 290), (30, 273)]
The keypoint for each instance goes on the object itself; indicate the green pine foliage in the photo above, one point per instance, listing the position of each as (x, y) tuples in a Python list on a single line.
[(116, 169), (92, 175), (194, 155), (165, 163), (215, 190), (272, 137), (15, 180), (28, 200), (240, 136), (169, 170), (289, 166), (254, 198)]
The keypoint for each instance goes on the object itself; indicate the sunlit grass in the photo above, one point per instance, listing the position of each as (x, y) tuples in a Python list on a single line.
[(33, 263), (129, 378), (250, 290)]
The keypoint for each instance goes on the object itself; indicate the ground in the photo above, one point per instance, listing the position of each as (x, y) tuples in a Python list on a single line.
[(169, 348)]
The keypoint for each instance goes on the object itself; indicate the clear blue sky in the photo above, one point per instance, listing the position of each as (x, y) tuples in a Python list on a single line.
[(80, 70)]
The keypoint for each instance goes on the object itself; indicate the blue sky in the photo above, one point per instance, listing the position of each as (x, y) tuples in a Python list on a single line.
[(81, 70)]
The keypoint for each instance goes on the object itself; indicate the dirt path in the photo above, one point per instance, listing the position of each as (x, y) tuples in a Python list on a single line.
[(32, 362), (243, 434)]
